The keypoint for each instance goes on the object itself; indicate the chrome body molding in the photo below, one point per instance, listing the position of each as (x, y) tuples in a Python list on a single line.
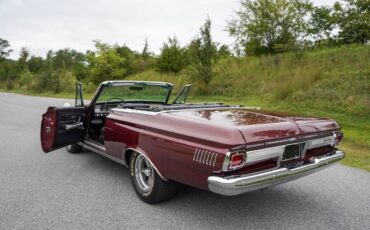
[(227, 161), (318, 136), (137, 111), (152, 113), (230, 186), (262, 154), (146, 157), (90, 145), (277, 151), (205, 157), (319, 142), (123, 82)]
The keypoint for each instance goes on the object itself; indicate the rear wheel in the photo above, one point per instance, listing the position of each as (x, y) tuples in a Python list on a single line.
[(148, 185), (74, 148)]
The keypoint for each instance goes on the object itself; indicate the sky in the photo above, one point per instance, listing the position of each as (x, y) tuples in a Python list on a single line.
[(41, 25)]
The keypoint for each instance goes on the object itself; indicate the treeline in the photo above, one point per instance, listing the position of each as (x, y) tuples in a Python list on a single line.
[(260, 27)]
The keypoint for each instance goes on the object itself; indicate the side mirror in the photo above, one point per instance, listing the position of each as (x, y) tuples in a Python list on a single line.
[(79, 102)]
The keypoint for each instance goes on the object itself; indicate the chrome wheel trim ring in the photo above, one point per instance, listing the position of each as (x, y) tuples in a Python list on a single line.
[(144, 174)]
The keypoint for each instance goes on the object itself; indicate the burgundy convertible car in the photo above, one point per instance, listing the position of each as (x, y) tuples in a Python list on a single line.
[(226, 149)]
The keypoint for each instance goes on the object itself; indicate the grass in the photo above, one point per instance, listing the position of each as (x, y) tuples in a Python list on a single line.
[(330, 82)]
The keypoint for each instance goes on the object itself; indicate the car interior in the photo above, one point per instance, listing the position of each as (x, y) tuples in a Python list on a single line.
[(102, 109), (96, 128)]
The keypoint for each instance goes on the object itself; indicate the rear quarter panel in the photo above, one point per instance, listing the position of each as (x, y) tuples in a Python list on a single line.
[(170, 142)]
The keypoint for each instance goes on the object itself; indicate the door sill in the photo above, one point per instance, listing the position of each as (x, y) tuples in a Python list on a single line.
[(99, 149)]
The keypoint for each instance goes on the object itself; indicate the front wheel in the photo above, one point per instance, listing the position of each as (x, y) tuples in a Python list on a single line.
[(148, 185)]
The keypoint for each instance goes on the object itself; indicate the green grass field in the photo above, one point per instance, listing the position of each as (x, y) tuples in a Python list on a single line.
[(332, 83)]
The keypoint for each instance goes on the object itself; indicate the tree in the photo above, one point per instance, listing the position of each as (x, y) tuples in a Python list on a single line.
[(24, 54), (269, 26), (145, 53), (80, 67), (322, 24), (224, 51), (353, 19), (106, 63), (128, 58), (35, 64), (203, 52), (172, 57), (4, 49), (145, 60)]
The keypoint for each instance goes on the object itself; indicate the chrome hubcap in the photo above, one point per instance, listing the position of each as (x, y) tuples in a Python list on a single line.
[(144, 174)]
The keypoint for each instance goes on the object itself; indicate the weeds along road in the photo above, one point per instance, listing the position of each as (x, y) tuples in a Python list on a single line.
[(86, 191)]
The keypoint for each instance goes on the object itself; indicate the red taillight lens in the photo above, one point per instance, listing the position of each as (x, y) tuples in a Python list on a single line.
[(338, 138), (237, 159)]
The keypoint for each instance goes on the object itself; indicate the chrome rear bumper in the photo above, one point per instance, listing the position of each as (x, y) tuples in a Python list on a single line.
[(256, 181)]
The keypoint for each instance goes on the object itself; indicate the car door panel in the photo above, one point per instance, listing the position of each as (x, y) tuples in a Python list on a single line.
[(61, 127)]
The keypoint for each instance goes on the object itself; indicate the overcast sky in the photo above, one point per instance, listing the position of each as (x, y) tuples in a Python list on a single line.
[(41, 25)]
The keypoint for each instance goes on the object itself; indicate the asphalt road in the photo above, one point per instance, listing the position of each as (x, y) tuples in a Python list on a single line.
[(86, 191)]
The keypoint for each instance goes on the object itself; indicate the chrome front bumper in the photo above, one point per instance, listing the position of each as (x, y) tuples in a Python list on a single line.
[(256, 181)]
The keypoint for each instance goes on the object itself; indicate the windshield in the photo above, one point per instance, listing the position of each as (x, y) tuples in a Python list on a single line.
[(135, 92)]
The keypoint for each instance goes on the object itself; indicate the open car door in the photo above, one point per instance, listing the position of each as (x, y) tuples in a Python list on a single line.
[(61, 127)]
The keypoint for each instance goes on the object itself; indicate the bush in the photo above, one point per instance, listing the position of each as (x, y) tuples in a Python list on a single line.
[(172, 57)]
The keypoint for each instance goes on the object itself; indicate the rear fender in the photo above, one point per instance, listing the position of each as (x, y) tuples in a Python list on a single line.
[(138, 150)]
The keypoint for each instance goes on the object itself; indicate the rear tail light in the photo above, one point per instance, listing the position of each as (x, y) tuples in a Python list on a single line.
[(338, 138), (237, 159), (234, 161)]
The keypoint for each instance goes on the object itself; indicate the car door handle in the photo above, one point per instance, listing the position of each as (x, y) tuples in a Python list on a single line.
[(76, 125)]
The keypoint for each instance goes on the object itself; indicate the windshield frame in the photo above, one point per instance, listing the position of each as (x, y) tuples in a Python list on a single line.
[(133, 83)]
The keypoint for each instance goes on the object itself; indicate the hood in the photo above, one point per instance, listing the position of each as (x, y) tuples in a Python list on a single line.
[(260, 125)]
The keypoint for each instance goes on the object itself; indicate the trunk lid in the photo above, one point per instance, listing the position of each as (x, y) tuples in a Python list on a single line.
[(260, 125)]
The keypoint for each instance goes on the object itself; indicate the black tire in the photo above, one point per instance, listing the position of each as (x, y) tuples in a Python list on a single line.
[(160, 190), (74, 148)]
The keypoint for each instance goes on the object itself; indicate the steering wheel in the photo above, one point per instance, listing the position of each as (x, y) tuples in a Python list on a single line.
[(106, 103)]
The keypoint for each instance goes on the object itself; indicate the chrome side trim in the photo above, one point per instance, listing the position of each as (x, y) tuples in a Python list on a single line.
[(280, 141), (328, 140), (209, 154), (205, 157), (214, 160), (277, 151), (255, 181), (145, 155), (136, 111), (151, 113), (263, 154), (99, 150), (226, 163), (195, 154), (123, 82)]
